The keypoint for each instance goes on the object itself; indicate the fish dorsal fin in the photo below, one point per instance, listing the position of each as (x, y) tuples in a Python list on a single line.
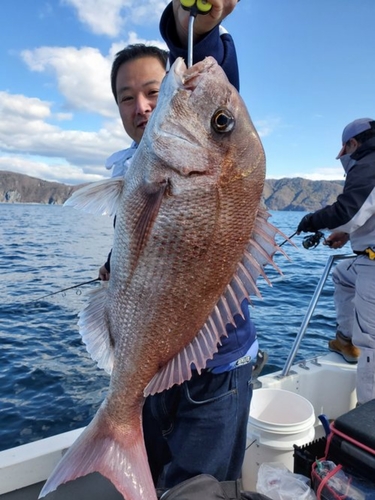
[(259, 252), (94, 329), (98, 198)]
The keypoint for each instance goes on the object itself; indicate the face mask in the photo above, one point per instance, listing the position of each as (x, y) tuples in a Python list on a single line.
[(347, 162)]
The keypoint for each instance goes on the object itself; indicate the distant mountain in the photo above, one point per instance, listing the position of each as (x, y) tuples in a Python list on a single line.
[(279, 194), (300, 194), (19, 188)]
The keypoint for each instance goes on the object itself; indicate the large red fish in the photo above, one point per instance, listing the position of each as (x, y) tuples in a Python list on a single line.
[(190, 241)]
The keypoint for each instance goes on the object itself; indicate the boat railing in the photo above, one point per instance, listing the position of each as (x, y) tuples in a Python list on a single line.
[(310, 310)]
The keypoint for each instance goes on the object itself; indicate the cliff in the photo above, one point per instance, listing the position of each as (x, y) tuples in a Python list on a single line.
[(300, 194), (279, 194), (19, 188)]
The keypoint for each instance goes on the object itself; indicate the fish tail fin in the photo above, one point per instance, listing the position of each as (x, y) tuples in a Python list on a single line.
[(118, 455)]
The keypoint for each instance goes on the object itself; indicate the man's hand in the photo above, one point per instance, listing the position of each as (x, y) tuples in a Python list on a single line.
[(203, 23), (104, 274), (306, 225), (337, 240)]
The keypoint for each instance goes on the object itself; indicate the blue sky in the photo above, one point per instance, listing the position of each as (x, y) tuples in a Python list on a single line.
[(307, 69)]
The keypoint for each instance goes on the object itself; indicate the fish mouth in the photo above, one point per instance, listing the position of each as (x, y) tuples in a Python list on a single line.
[(188, 78), (173, 135)]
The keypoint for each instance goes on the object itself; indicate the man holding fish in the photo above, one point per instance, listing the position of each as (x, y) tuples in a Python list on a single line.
[(189, 448), (173, 327)]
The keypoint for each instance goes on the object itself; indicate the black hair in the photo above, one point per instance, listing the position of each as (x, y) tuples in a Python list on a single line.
[(135, 51)]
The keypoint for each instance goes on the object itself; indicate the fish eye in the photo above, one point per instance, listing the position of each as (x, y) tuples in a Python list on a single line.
[(222, 121)]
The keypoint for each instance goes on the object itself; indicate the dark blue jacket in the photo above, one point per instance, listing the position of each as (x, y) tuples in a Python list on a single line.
[(238, 342), (216, 44)]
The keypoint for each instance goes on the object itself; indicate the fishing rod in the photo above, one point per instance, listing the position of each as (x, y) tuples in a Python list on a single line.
[(66, 289), (308, 242), (288, 239)]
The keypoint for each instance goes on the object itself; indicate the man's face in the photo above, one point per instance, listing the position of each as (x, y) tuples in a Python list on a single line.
[(351, 146), (137, 88)]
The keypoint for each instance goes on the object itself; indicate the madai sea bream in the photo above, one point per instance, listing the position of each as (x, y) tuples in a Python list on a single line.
[(190, 240)]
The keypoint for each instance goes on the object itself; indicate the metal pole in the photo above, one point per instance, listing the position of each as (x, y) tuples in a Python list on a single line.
[(310, 310)]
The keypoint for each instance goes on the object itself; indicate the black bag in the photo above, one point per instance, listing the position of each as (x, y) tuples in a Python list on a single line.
[(206, 487), (352, 440)]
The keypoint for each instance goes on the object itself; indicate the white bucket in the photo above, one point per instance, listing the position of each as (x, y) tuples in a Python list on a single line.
[(278, 419)]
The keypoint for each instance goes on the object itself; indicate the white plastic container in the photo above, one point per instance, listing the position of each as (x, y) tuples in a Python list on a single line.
[(278, 419)]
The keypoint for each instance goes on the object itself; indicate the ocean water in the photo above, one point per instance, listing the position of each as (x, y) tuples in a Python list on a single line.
[(48, 382)]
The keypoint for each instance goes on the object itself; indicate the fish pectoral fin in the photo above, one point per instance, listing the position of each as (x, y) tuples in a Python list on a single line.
[(152, 197), (98, 198), (116, 452), (94, 330)]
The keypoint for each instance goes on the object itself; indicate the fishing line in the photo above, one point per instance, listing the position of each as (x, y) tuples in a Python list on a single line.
[(317, 237), (64, 290)]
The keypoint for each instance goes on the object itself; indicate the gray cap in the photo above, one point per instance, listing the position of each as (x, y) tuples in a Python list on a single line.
[(353, 129)]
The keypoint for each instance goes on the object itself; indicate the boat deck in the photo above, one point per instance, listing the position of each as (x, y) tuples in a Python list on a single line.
[(91, 487), (327, 382)]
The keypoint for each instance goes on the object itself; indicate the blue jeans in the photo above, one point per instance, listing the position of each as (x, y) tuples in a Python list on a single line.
[(199, 427)]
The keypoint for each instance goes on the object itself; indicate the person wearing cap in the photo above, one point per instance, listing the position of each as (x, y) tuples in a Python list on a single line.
[(352, 217)]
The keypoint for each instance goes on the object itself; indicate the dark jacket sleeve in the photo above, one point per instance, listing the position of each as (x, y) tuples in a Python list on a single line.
[(220, 47), (358, 186)]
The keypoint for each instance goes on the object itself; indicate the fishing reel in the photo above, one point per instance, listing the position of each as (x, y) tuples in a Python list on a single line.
[(313, 240)]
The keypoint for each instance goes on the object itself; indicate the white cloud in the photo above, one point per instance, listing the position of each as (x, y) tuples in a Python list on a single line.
[(267, 126), (324, 174), (30, 126), (147, 10), (83, 76), (63, 116), (24, 130), (36, 137), (110, 16), (102, 17), (22, 106), (132, 39), (57, 171)]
